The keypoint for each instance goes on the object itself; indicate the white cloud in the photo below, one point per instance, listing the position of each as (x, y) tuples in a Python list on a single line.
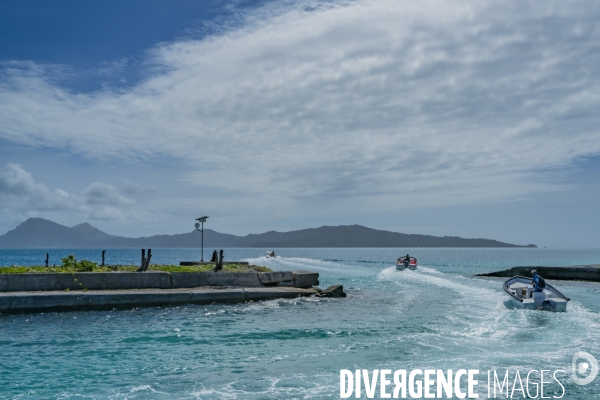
[(99, 193), (23, 197), (15, 181), (18, 186), (136, 189), (373, 103)]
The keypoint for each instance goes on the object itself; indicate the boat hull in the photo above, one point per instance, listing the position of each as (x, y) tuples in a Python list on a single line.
[(401, 266), (522, 295)]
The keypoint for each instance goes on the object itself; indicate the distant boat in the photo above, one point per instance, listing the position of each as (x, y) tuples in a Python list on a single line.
[(402, 263), (523, 295), (271, 254)]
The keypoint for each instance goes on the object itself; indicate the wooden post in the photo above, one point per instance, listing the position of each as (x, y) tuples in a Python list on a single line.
[(103, 251), (148, 259), (219, 265), (47, 256), (145, 261)]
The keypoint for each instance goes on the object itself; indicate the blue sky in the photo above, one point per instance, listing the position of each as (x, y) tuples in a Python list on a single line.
[(444, 118), (86, 35)]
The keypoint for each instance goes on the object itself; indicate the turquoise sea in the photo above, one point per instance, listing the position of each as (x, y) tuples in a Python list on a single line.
[(437, 317)]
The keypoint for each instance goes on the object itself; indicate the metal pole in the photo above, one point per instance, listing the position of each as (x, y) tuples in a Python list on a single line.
[(202, 256)]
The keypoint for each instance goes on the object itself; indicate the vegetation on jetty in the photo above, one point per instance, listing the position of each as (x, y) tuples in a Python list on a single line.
[(70, 265)]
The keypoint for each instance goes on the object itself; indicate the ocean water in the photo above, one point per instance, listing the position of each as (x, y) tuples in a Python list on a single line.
[(437, 317)]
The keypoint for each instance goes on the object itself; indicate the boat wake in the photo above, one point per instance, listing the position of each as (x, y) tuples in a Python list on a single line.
[(331, 268), (476, 318)]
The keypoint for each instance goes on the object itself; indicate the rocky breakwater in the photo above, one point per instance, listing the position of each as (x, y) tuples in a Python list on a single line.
[(573, 273), (40, 292)]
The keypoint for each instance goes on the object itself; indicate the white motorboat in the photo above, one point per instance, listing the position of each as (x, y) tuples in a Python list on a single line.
[(402, 263), (523, 295), (271, 254)]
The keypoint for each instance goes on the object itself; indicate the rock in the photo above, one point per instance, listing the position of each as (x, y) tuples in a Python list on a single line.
[(305, 279), (333, 291)]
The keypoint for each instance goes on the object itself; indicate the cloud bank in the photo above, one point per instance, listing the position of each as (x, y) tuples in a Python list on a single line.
[(21, 197), (380, 104)]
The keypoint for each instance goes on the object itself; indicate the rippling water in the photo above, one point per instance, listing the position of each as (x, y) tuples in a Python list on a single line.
[(439, 316)]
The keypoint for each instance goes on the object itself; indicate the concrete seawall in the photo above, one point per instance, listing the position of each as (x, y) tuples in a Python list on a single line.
[(574, 273), (41, 292), (153, 280), (15, 302)]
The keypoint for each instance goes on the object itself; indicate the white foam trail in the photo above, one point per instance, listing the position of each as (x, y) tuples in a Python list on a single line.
[(478, 318), (442, 280), (475, 311), (297, 386), (477, 315), (223, 393), (142, 388), (429, 270), (298, 263)]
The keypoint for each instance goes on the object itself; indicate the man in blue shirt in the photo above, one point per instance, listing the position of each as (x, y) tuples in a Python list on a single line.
[(537, 281)]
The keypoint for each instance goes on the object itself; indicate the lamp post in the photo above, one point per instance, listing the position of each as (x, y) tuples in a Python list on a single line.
[(200, 228)]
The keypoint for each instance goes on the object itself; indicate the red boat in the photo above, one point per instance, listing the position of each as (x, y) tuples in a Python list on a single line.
[(402, 263)]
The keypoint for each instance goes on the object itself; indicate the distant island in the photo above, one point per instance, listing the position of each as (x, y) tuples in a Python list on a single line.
[(42, 233)]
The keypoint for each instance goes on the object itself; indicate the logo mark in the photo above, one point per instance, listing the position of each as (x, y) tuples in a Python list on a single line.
[(589, 365)]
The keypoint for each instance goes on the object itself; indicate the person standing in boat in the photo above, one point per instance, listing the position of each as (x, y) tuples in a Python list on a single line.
[(406, 260), (538, 282)]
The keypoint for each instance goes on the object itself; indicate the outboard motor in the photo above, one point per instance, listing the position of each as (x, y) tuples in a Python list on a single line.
[(406, 262)]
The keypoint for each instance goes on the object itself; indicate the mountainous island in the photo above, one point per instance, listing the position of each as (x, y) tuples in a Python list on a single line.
[(42, 233)]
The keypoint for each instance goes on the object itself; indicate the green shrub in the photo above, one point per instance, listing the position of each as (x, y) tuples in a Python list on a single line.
[(85, 265), (69, 262), (72, 264)]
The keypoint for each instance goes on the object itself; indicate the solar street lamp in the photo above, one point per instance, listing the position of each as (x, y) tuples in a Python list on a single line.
[(200, 228)]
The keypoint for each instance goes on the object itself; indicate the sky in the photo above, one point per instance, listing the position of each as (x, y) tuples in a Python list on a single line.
[(459, 118)]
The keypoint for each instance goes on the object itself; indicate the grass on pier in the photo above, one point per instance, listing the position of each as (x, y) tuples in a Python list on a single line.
[(131, 268)]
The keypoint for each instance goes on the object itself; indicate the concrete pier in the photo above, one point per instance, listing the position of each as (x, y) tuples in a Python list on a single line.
[(15, 302), (573, 273), (187, 263), (42, 292), (153, 280)]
